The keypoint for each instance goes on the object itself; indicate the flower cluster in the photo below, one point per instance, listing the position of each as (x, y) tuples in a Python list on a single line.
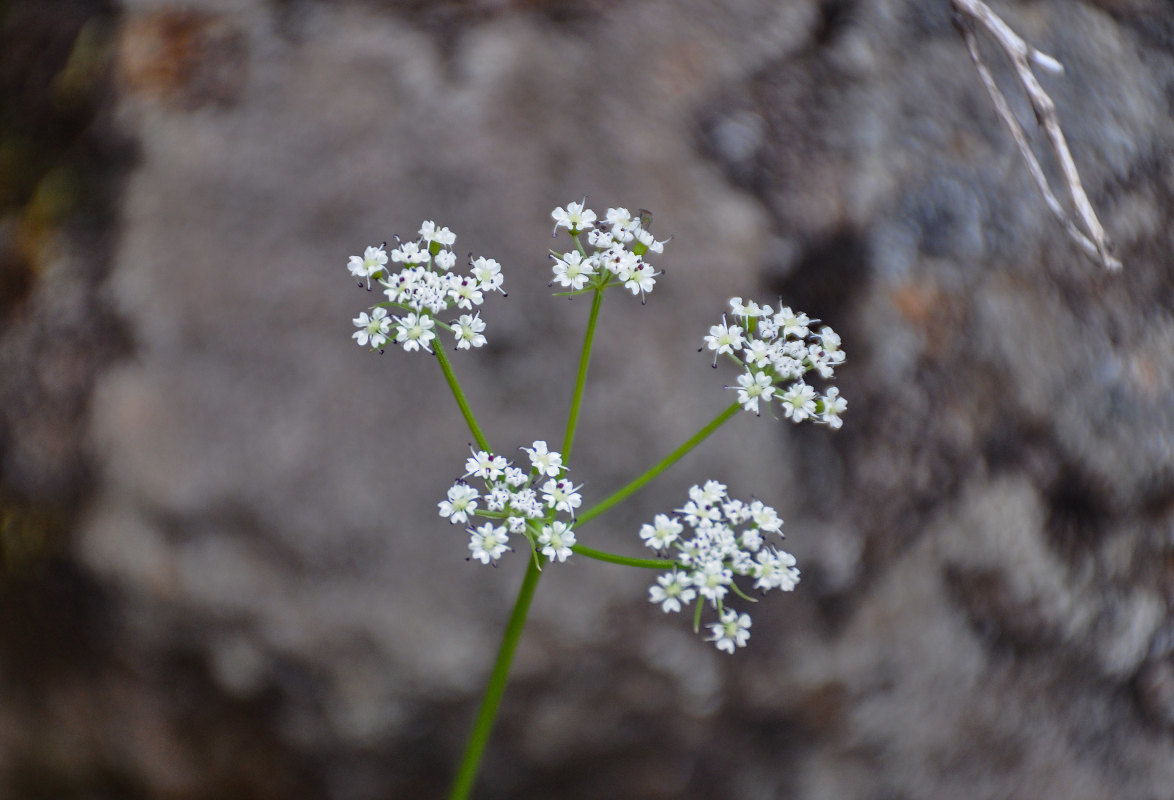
[(777, 350), (619, 250), (726, 538), (515, 501), (424, 287)]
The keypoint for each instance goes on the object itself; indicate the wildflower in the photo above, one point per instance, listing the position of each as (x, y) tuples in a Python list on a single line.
[(792, 324), (440, 237), (799, 402), (465, 291), (427, 286), (727, 540), (752, 386), (575, 217), (733, 631), (485, 465), (619, 250), (639, 279), (445, 259), (777, 350), (671, 590), (415, 331), (461, 502), (572, 271), (724, 339), (663, 531), (513, 502), (410, 253), (488, 274), (488, 542), (545, 462), (556, 540), (374, 328), (647, 244), (561, 495), (368, 265), (468, 331), (832, 406)]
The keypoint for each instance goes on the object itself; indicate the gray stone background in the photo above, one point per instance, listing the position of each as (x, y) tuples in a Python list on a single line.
[(223, 576)]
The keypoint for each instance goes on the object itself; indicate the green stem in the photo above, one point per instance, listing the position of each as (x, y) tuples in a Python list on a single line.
[(658, 467), (455, 385), (479, 736), (612, 558), (581, 380)]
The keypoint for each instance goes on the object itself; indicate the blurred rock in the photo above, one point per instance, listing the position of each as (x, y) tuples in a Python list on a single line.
[(986, 545)]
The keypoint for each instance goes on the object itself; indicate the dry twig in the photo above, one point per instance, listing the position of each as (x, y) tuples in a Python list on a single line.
[(968, 12)]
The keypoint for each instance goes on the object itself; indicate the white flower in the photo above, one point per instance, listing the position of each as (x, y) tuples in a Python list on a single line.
[(644, 237), (618, 261), (753, 387), (623, 225), (663, 531), (792, 324), (757, 352), (556, 540), (572, 271), (713, 580), (488, 274), (498, 498), (733, 630), (765, 517), (798, 402), (672, 590), (415, 331), (745, 310), (549, 463), (833, 407), (445, 259), (600, 238), (726, 543), (775, 569), (561, 495), (620, 217), (410, 253), (465, 290), (724, 339), (575, 217), (374, 328), (485, 465), (468, 331), (369, 264), (712, 492), (640, 278), (488, 542), (443, 236), (515, 477), (461, 502)]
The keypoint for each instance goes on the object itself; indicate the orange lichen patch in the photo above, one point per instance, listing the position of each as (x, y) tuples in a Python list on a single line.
[(183, 58), (937, 315), (917, 303)]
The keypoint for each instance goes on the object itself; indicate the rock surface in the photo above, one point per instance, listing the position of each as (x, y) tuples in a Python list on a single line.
[(257, 599)]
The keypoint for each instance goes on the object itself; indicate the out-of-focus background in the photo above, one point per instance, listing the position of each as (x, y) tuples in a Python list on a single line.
[(222, 572)]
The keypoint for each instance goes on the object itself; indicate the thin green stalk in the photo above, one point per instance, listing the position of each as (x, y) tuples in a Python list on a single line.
[(455, 385), (658, 467), (612, 558), (479, 736), (581, 380)]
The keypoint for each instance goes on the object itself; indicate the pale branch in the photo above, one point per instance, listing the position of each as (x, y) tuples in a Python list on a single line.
[(968, 12)]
